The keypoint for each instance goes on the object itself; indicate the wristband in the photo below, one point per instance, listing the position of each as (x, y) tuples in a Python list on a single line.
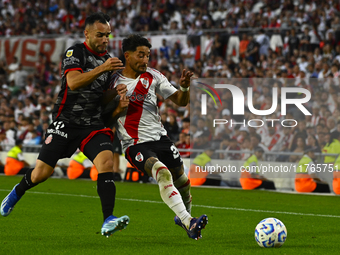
[(184, 89)]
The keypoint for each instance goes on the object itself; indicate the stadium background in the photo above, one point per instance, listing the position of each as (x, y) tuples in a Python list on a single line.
[(284, 39)]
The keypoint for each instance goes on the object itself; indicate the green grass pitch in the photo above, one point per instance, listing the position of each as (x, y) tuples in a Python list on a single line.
[(64, 217)]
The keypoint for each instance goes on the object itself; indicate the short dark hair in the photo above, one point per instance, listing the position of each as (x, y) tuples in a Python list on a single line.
[(133, 41), (98, 16), (18, 142), (259, 149)]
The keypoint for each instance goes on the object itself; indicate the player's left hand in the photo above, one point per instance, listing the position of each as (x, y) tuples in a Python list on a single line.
[(184, 81)]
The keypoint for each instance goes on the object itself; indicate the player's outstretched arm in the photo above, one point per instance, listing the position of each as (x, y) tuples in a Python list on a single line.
[(77, 79), (182, 96)]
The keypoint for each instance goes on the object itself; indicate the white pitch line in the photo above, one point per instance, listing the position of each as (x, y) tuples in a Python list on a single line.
[(202, 206), (240, 209)]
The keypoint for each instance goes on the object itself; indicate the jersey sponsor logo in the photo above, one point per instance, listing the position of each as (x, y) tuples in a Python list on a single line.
[(48, 139), (139, 157), (57, 132), (145, 82), (69, 53), (139, 97), (58, 124), (174, 193)]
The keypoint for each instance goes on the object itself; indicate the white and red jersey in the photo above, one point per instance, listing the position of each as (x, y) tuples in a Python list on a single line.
[(142, 122), (274, 142)]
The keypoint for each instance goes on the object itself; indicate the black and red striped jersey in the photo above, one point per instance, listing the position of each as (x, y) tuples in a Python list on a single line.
[(81, 107)]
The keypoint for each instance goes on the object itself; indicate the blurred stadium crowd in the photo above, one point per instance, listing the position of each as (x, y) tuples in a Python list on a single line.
[(309, 58)]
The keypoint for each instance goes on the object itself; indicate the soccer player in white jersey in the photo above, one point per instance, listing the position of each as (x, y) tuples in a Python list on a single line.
[(143, 136)]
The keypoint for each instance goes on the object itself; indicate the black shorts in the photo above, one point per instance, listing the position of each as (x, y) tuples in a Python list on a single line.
[(62, 141), (117, 147), (164, 150)]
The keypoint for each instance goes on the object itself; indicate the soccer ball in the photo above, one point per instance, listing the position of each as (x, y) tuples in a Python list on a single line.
[(270, 232)]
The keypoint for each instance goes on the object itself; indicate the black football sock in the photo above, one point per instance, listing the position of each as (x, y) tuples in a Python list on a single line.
[(25, 183), (106, 189)]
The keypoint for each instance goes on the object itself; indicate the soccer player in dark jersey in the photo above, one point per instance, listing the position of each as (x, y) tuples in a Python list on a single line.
[(77, 122)]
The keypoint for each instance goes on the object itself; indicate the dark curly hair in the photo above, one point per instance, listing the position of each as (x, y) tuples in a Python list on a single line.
[(133, 41)]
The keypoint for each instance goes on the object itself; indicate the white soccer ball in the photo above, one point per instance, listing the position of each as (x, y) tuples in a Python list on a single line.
[(270, 232)]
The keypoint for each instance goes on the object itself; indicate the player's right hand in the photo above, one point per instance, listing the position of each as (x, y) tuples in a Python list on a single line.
[(113, 64), (121, 89), (123, 103)]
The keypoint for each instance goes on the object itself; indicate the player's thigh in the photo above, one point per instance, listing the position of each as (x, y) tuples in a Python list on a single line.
[(98, 143), (104, 161), (138, 155), (57, 146), (169, 155), (117, 147), (164, 150), (99, 150)]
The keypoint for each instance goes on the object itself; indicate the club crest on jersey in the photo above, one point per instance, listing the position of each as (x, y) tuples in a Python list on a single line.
[(145, 82), (69, 53), (139, 157), (48, 139)]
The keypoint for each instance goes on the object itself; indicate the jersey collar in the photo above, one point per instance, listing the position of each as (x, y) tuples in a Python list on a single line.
[(93, 52)]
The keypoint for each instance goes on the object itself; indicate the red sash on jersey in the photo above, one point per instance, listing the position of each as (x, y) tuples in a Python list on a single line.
[(135, 108)]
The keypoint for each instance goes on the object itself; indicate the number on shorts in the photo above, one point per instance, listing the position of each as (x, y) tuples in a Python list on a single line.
[(174, 151)]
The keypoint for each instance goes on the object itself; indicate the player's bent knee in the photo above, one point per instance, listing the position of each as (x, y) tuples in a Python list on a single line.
[(105, 166), (177, 172), (40, 174), (104, 162)]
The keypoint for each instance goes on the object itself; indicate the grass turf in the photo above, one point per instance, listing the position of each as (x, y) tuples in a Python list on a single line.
[(63, 217)]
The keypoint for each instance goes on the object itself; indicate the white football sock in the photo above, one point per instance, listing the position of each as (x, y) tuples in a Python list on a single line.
[(183, 185), (170, 195)]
